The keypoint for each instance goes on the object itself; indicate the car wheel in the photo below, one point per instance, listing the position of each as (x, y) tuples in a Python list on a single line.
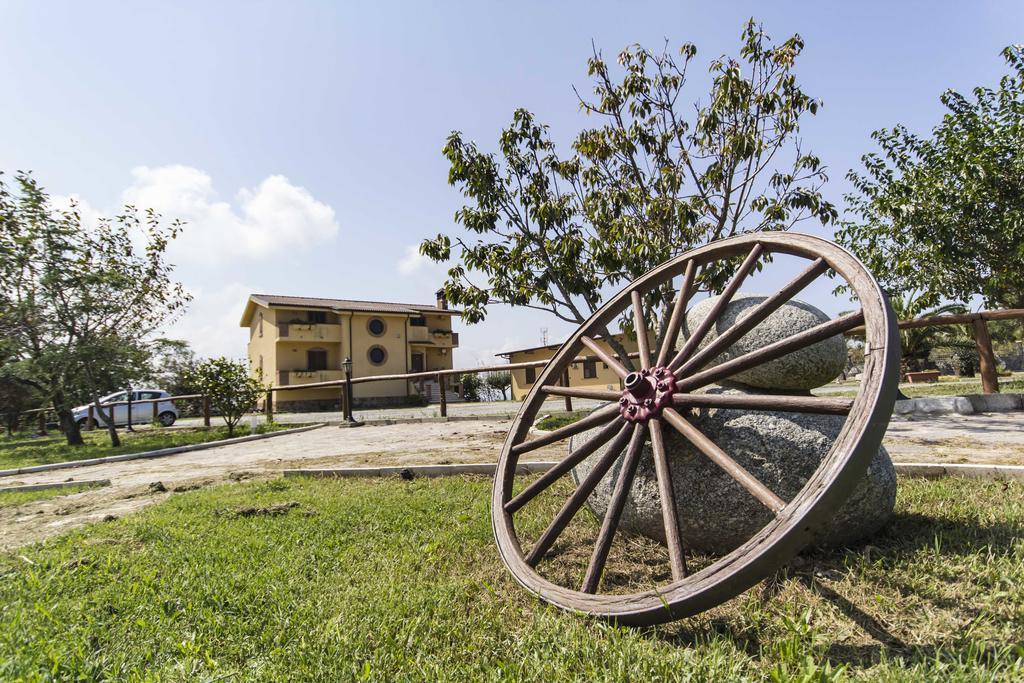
[(167, 418)]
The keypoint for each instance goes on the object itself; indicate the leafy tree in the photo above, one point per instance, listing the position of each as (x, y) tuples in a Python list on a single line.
[(500, 381), (652, 179), (472, 383), (944, 214), (233, 391), (16, 395), (80, 300), (916, 343), (172, 365)]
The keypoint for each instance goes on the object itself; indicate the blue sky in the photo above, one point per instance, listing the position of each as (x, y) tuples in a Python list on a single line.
[(302, 140)]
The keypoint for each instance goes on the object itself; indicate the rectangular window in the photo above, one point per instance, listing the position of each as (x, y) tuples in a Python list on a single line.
[(316, 359), (531, 375), (418, 322), (589, 368), (316, 317)]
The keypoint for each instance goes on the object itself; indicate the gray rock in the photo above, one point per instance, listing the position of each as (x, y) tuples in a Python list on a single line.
[(800, 370), (716, 514)]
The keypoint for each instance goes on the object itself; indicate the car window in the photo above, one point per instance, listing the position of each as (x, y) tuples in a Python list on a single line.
[(119, 396), (145, 395)]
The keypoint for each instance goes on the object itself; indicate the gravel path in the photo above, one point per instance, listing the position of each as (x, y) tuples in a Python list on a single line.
[(993, 438)]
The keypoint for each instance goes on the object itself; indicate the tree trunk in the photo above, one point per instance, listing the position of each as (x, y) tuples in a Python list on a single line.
[(67, 421), (108, 418)]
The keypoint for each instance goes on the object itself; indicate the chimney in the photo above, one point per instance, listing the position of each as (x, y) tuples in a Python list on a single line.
[(442, 302)]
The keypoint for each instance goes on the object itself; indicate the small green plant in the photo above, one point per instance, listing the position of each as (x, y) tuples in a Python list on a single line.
[(233, 391)]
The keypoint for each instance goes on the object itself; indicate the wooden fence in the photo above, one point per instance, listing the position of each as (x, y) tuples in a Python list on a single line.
[(979, 331), (977, 321)]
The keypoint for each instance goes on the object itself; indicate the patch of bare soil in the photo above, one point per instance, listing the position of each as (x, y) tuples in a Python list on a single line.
[(954, 450), (138, 483)]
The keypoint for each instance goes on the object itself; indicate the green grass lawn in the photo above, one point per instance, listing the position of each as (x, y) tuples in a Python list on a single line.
[(9, 499), (959, 387), (22, 451), (557, 420), (392, 580)]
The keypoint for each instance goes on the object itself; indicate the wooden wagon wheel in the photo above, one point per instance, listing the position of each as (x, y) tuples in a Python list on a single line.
[(658, 396)]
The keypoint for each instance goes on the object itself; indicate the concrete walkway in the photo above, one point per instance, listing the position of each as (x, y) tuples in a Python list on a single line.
[(984, 439)]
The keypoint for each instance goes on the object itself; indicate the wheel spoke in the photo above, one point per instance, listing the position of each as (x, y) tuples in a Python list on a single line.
[(579, 496), (716, 309), (669, 514), (607, 358), (756, 315), (676, 321), (722, 459), (556, 472), (640, 323), (611, 517), (598, 417), (582, 392), (771, 352), (790, 404)]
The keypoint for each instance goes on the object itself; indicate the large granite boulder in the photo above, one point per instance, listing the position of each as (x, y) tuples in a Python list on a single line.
[(715, 513), (800, 370)]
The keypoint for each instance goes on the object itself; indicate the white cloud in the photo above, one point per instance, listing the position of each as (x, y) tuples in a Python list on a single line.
[(412, 260), (275, 215), (210, 324)]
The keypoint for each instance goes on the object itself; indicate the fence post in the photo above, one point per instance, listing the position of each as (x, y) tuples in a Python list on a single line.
[(129, 395), (90, 420), (156, 407), (444, 399), (987, 358), (565, 383), (206, 411), (269, 405)]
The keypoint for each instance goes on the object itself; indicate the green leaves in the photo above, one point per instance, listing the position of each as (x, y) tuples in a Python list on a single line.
[(652, 177), (233, 391), (944, 214), (78, 302)]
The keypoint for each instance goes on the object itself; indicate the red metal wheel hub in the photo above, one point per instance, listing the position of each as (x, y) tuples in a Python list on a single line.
[(647, 392)]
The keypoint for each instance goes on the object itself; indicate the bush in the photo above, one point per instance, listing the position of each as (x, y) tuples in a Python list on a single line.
[(232, 390)]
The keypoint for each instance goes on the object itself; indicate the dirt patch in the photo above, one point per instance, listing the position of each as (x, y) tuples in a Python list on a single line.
[(265, 511), (404, 444), (952, 439)]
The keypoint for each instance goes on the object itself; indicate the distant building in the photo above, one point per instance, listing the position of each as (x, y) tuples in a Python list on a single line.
[(591, 372), (297, 340)]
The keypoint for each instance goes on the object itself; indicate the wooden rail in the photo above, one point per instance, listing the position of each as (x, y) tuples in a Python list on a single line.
[(979, 331)]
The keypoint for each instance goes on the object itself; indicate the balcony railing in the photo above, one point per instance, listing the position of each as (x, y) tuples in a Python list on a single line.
[(419, 335), (324, 332), (293, 377)]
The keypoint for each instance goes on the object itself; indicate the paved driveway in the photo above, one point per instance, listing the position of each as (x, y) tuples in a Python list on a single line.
[(992, 438)]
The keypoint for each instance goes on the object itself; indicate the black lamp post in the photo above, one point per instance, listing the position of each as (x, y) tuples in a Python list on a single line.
[(350, 421)]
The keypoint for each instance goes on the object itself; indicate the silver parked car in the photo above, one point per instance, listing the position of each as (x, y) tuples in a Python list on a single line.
[(166, 413)]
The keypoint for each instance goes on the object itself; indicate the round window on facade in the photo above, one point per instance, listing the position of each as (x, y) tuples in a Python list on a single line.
[(377, 355), (376, 326)]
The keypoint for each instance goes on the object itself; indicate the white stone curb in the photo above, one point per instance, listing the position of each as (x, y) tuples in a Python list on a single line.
[(937, 471), (163, 452), (912, 469), (419, 470), (960, 405), (84, 483)]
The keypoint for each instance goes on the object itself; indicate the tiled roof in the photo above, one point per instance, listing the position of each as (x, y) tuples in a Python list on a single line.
[(349, 305), (549, 347)]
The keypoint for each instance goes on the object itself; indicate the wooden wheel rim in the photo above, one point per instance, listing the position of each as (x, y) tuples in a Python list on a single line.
[(790, 530)]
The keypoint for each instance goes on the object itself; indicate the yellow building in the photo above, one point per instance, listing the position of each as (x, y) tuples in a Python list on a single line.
[(299, 340), (591, 372)]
